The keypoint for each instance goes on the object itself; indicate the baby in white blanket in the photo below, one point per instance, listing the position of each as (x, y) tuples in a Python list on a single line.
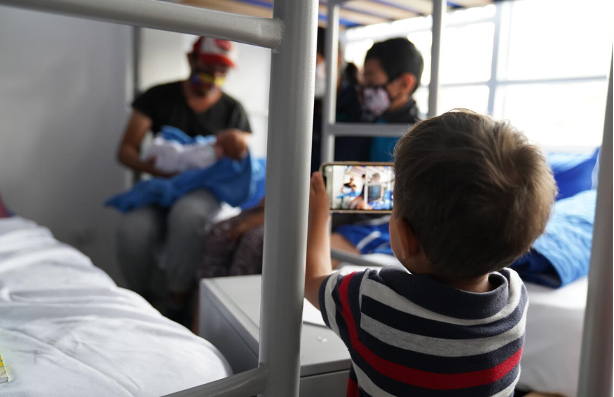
[(173, 157)]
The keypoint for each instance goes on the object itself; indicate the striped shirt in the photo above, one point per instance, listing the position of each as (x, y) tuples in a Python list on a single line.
[(410, 335)]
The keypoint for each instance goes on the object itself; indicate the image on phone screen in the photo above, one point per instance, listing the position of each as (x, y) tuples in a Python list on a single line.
[(359, 187)]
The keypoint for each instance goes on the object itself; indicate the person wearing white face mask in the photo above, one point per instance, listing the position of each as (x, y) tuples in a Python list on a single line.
[(391, 74)]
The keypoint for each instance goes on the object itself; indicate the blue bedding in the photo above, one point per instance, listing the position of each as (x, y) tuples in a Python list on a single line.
[(238, 183), (573, 172), (558, 257), (562, 254)]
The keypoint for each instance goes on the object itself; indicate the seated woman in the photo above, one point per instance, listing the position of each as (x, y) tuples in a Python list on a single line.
[(234, 247)]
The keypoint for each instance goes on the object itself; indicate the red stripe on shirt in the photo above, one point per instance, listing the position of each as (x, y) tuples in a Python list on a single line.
[(352, 390), (416, 377)]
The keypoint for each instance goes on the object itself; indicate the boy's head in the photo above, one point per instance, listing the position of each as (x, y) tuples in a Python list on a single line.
[(394, 63), (471, 194)]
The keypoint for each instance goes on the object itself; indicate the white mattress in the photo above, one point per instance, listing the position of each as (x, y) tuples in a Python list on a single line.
[(66, 329), (551, 356)]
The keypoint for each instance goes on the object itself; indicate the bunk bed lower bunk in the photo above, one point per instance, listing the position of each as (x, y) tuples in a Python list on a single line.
[(66, 329)]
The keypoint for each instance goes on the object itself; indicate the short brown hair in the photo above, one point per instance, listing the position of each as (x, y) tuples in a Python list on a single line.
[(474, 191)]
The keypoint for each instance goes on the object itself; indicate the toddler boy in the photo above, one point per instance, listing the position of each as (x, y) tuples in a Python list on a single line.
[(471, 195)]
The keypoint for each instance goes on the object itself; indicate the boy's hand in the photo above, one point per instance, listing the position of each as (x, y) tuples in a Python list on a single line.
[(318, 265), (318, 199)]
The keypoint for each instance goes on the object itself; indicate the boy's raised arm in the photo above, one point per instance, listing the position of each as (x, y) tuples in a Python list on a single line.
[(319, 264)]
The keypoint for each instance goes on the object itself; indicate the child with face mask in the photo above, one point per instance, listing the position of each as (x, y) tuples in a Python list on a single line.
[(391, 74)]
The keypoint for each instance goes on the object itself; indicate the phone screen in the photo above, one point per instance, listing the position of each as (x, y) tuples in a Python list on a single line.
[(354, 187)]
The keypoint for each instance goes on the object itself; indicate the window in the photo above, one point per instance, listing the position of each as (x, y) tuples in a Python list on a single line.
[(542, 64)]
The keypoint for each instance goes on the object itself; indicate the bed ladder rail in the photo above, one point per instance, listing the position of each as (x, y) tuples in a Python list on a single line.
[(344, 256), (262, 32), (248, 383)]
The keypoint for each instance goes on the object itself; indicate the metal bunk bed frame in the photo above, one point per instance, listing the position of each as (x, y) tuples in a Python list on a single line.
[(290, 34), (596, 361)]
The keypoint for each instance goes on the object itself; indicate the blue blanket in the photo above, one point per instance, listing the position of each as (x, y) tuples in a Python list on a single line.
[(562, 254), (574, 172), (238, 183), (558, 257)]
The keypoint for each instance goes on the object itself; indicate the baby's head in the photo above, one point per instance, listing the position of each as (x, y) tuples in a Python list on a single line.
[(471, 195)]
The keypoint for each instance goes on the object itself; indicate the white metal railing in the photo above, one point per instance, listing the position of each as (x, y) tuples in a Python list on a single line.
[(291, 34), (263, 32)]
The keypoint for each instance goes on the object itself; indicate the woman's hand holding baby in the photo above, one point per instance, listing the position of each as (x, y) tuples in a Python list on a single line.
[(232, 143)]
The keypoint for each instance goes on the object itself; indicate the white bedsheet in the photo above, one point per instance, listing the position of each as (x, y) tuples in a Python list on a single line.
[(66, 329), (551, 355)]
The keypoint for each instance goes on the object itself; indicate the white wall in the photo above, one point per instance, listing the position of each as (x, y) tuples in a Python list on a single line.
[(64, 94), (163, 59)]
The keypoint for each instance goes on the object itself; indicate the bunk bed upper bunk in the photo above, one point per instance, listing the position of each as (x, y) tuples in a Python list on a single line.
[(290, 33)]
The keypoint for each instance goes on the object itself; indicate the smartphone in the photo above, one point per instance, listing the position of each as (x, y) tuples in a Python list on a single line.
[(359, 187)]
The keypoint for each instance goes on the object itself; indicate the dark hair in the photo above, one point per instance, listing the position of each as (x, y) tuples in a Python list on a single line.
[(320, 41), (350, 74), (473, 190), (398, 56)]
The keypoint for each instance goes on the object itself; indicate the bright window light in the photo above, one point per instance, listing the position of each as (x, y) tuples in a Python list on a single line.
[(552, 58)]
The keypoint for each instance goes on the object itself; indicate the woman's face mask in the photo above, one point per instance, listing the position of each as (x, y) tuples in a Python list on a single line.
[(207, 79), (376, 100)]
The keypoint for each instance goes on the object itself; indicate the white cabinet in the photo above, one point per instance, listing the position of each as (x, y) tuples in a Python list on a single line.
[(229, 317)]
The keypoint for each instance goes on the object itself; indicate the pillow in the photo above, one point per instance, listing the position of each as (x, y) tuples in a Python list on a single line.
[(573, 172)]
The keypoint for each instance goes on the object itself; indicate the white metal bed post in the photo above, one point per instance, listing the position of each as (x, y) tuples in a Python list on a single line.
[(596, 360), (439, 10), (331, 50), (287, 186)]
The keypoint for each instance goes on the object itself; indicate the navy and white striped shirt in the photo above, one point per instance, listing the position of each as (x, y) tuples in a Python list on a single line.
[(410, 335)]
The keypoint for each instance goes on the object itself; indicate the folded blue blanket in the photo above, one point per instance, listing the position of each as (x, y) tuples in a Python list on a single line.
[(574, 172), (238, 183), (562, 254)]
